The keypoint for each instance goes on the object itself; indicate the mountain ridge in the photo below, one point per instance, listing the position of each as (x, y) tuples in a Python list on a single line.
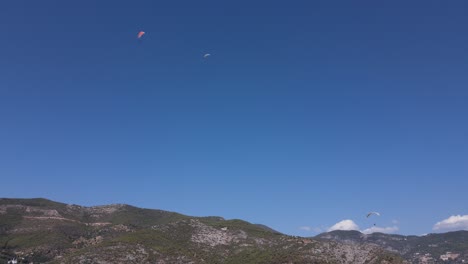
[(430, 248), (43, 231)]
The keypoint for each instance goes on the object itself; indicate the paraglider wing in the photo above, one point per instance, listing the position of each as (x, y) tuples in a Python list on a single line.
[(140, 34), (372, 213), (206, 55)]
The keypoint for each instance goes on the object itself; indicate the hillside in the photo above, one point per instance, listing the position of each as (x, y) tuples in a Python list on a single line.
[(431, 248), (43, 231)]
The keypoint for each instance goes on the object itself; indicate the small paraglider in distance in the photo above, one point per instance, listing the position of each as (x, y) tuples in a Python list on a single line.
[(372, 213), (140, 34), (206, 55)]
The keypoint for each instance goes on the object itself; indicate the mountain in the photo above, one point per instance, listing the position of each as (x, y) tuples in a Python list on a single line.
[(451, 247), (44, 231)]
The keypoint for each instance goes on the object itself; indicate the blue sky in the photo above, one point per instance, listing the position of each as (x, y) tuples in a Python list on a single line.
[(307, 113)]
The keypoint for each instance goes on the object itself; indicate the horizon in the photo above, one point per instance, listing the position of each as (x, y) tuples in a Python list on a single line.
[(328, 230), (304, 117)]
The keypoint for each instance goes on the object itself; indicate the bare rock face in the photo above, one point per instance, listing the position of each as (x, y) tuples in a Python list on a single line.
[(29, 210), (104, 210), (210, 236)]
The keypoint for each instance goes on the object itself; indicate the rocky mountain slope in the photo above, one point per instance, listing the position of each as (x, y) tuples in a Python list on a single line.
[(43, 231), (449, 247)]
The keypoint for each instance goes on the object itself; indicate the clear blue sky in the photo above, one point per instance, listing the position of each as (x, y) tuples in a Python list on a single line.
[(307, 112)]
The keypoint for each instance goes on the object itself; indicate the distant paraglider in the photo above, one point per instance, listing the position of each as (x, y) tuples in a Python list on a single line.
[(206, 55), (372, 213), (140, 34)]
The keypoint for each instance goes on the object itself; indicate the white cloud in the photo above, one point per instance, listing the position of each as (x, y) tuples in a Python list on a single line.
[(311, 229), (344, 225), (454, 222), (350, 225), (378, 229)]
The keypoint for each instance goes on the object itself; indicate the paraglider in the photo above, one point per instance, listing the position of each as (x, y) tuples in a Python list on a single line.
[(206, 55), (140, 34), (372, 213)]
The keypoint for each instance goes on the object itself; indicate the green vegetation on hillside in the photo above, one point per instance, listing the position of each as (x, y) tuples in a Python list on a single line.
[(44, 231)]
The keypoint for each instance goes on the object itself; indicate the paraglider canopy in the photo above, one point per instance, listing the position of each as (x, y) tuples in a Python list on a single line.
[(206, 55), (372, 213), (140, 34)]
